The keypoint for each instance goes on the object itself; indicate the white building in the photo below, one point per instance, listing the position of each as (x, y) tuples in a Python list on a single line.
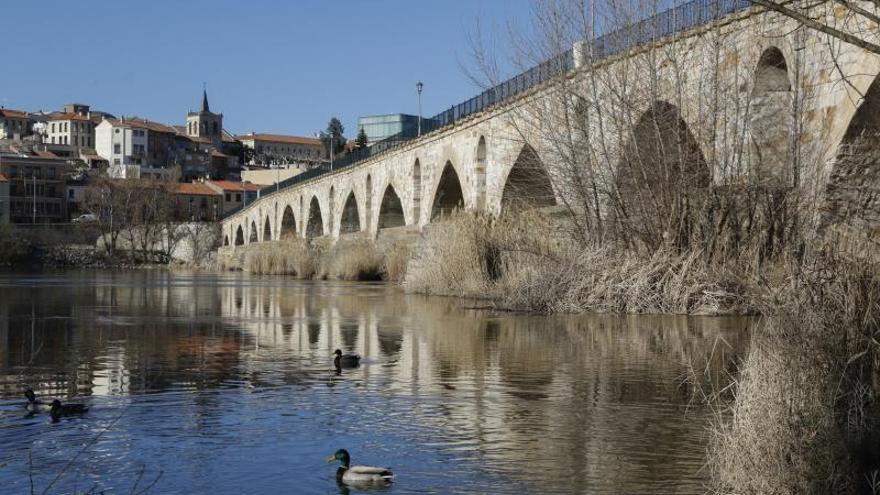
[(124, 145)]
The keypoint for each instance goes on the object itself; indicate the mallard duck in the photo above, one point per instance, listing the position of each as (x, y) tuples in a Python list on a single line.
[(35, 405), (58, 409), (353, 475), (345, 360)]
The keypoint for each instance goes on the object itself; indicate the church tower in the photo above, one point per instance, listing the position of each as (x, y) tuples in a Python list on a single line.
[(205, 123)]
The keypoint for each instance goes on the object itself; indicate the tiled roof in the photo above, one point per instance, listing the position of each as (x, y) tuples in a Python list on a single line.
[(69, 116), (140, 123), (279, 138), (3, 178), (194, 189), (5, 112), (228, 185), (45, 154)]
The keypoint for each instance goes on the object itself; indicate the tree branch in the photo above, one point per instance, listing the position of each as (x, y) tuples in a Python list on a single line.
[(803, 19)]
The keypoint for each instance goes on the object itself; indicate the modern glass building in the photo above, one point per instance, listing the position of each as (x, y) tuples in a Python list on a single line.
[(379, 127)]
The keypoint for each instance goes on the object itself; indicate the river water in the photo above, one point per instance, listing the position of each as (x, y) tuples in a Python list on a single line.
[(223, 384)]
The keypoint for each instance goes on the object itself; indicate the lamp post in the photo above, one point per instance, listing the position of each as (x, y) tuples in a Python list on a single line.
[(419, 87)]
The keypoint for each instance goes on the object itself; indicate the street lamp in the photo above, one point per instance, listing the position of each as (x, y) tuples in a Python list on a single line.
[(419, 87)]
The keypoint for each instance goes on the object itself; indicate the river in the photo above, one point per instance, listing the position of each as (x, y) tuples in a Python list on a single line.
[(224, 384)]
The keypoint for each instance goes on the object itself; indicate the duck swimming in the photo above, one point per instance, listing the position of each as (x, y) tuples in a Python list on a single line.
[(345, 360), (33, 404), (353, 475), (58, 409)]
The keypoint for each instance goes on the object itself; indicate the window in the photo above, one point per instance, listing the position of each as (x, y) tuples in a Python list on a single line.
[(51, 173), (116, 149), (53, 126), (116, 131), (116, 161), (13, 171), (228, 197), (70, 194), (238, 197)]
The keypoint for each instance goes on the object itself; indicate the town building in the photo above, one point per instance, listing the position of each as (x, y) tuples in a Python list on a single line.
[(205, 124), (235, 194), (74, 126), (36, 186), (14, 124), (278, 150), (196, 201), (4, 200), (379, 127)]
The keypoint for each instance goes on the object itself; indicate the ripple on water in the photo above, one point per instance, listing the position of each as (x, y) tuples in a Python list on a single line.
[(224, 384)]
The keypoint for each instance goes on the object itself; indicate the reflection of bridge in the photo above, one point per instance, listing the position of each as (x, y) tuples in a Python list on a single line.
[(477, 153)]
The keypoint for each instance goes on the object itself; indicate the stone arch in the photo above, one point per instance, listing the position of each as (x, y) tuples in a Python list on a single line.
[(416, 192), (368, 202), (771, 121), (226, 240), (288, 223), (480, 171), (315, 225), (391, 210), (239, 236), (661, 173), (527, 184), (252, 236), (267, 230), (448, 195), (852, 194), (350, 220)]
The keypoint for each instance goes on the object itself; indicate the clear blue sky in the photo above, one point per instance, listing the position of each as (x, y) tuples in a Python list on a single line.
[(279, 66)]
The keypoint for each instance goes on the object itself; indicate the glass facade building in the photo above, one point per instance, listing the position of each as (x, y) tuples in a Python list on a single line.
[(379, 127)]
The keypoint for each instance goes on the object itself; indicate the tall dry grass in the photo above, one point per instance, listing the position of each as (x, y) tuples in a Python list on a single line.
[(353, 260), (803, 414), (287, 257), (527, 262)]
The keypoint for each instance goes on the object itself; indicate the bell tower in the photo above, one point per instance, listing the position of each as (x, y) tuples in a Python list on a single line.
[(205, 123)]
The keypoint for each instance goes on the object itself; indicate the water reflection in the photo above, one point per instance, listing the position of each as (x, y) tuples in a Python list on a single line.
[(222, 379)]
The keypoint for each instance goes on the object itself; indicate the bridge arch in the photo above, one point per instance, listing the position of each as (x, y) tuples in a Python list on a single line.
[(480, 172), (267, 229), (239, 236), (288, 223), (661, 159), (416, 192), (852, 194), (448, 194), (771, 120), (527, 184), (252, 236), (315, 225), (391, 210), (350, 219)]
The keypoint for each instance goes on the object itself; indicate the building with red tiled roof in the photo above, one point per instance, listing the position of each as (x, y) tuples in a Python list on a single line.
[(14, 123), (276, 149), (235, 193), (72, 127), (195, 201)]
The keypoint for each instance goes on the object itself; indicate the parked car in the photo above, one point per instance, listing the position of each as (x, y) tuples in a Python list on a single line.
[(85, 218)]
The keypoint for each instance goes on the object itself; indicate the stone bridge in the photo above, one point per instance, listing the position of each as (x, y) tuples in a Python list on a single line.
[(499, 148)]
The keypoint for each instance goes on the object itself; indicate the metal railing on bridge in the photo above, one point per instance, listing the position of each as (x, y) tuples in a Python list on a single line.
[(663, 24)]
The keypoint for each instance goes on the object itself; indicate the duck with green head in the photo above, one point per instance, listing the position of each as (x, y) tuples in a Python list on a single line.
[(353, 475)]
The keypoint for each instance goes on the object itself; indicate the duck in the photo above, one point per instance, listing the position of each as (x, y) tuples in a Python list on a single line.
[(345, 360), (35, 405), (58, 409), (354, 475)]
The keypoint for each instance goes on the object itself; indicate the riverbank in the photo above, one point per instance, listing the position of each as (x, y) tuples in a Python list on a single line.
[(799, 415)]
